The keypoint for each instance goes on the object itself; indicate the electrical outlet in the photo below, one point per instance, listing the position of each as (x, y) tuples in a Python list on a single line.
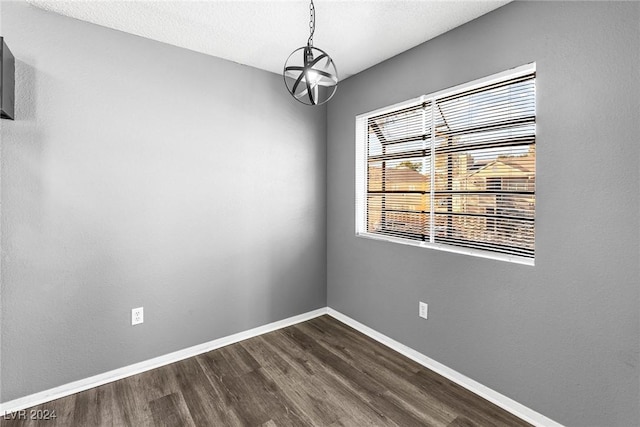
[(137, 316), (423, 309)]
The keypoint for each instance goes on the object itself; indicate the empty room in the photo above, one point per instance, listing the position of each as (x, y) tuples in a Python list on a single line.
[(319, 213)]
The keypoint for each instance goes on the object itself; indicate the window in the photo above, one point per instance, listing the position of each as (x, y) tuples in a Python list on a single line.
[(454, 170)]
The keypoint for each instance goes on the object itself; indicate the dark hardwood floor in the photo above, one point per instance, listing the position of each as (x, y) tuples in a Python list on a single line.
[(317, 373)]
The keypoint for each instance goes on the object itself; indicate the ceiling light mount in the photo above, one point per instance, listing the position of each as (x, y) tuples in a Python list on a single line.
[(309, 73)]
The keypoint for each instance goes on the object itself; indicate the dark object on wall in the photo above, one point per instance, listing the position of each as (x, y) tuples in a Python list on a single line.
[(7, 74)]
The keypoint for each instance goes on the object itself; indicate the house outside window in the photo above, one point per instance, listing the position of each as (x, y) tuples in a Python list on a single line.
[(454, 170)]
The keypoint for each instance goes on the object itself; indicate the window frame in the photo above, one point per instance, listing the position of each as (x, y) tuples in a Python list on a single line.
[(362, 161)]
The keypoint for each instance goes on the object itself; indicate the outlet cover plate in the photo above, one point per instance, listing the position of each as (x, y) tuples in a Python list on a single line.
[(423, 310), (137, 316)]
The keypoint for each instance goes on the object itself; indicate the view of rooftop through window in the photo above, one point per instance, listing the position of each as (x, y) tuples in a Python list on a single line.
[(457, 169)]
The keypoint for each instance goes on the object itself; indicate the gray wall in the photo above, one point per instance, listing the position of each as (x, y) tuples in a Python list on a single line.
[(139, 174), (132, 178), (561, 337)]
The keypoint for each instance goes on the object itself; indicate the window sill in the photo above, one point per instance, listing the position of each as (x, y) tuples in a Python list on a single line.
[(448, 248)]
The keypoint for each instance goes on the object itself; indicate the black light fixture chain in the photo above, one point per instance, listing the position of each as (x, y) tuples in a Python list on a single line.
[(312, 23)]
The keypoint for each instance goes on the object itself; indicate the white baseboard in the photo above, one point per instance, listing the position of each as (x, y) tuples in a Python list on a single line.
[(156, 362), (510, 405), (492, 396)]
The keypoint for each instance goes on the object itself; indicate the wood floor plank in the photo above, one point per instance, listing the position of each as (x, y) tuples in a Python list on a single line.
[(111, 414), (257, 400), (87, 408), (294, 384), (373, 363), (321, 386), (134, 404), (366, 388), (156, 383), (445, 396), (371, 379), (171, 411), (210, 364), (464, 402), (367, 384), (203, 400), (462, 422), (338, 332), (64, 410), (316, 373)]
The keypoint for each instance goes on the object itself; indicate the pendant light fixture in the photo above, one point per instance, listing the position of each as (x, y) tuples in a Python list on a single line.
[(309, 73)]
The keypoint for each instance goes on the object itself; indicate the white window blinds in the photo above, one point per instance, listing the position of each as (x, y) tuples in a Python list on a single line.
[(454, 169)]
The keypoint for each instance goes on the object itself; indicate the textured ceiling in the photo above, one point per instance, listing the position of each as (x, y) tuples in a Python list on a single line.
[(262, 34)]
